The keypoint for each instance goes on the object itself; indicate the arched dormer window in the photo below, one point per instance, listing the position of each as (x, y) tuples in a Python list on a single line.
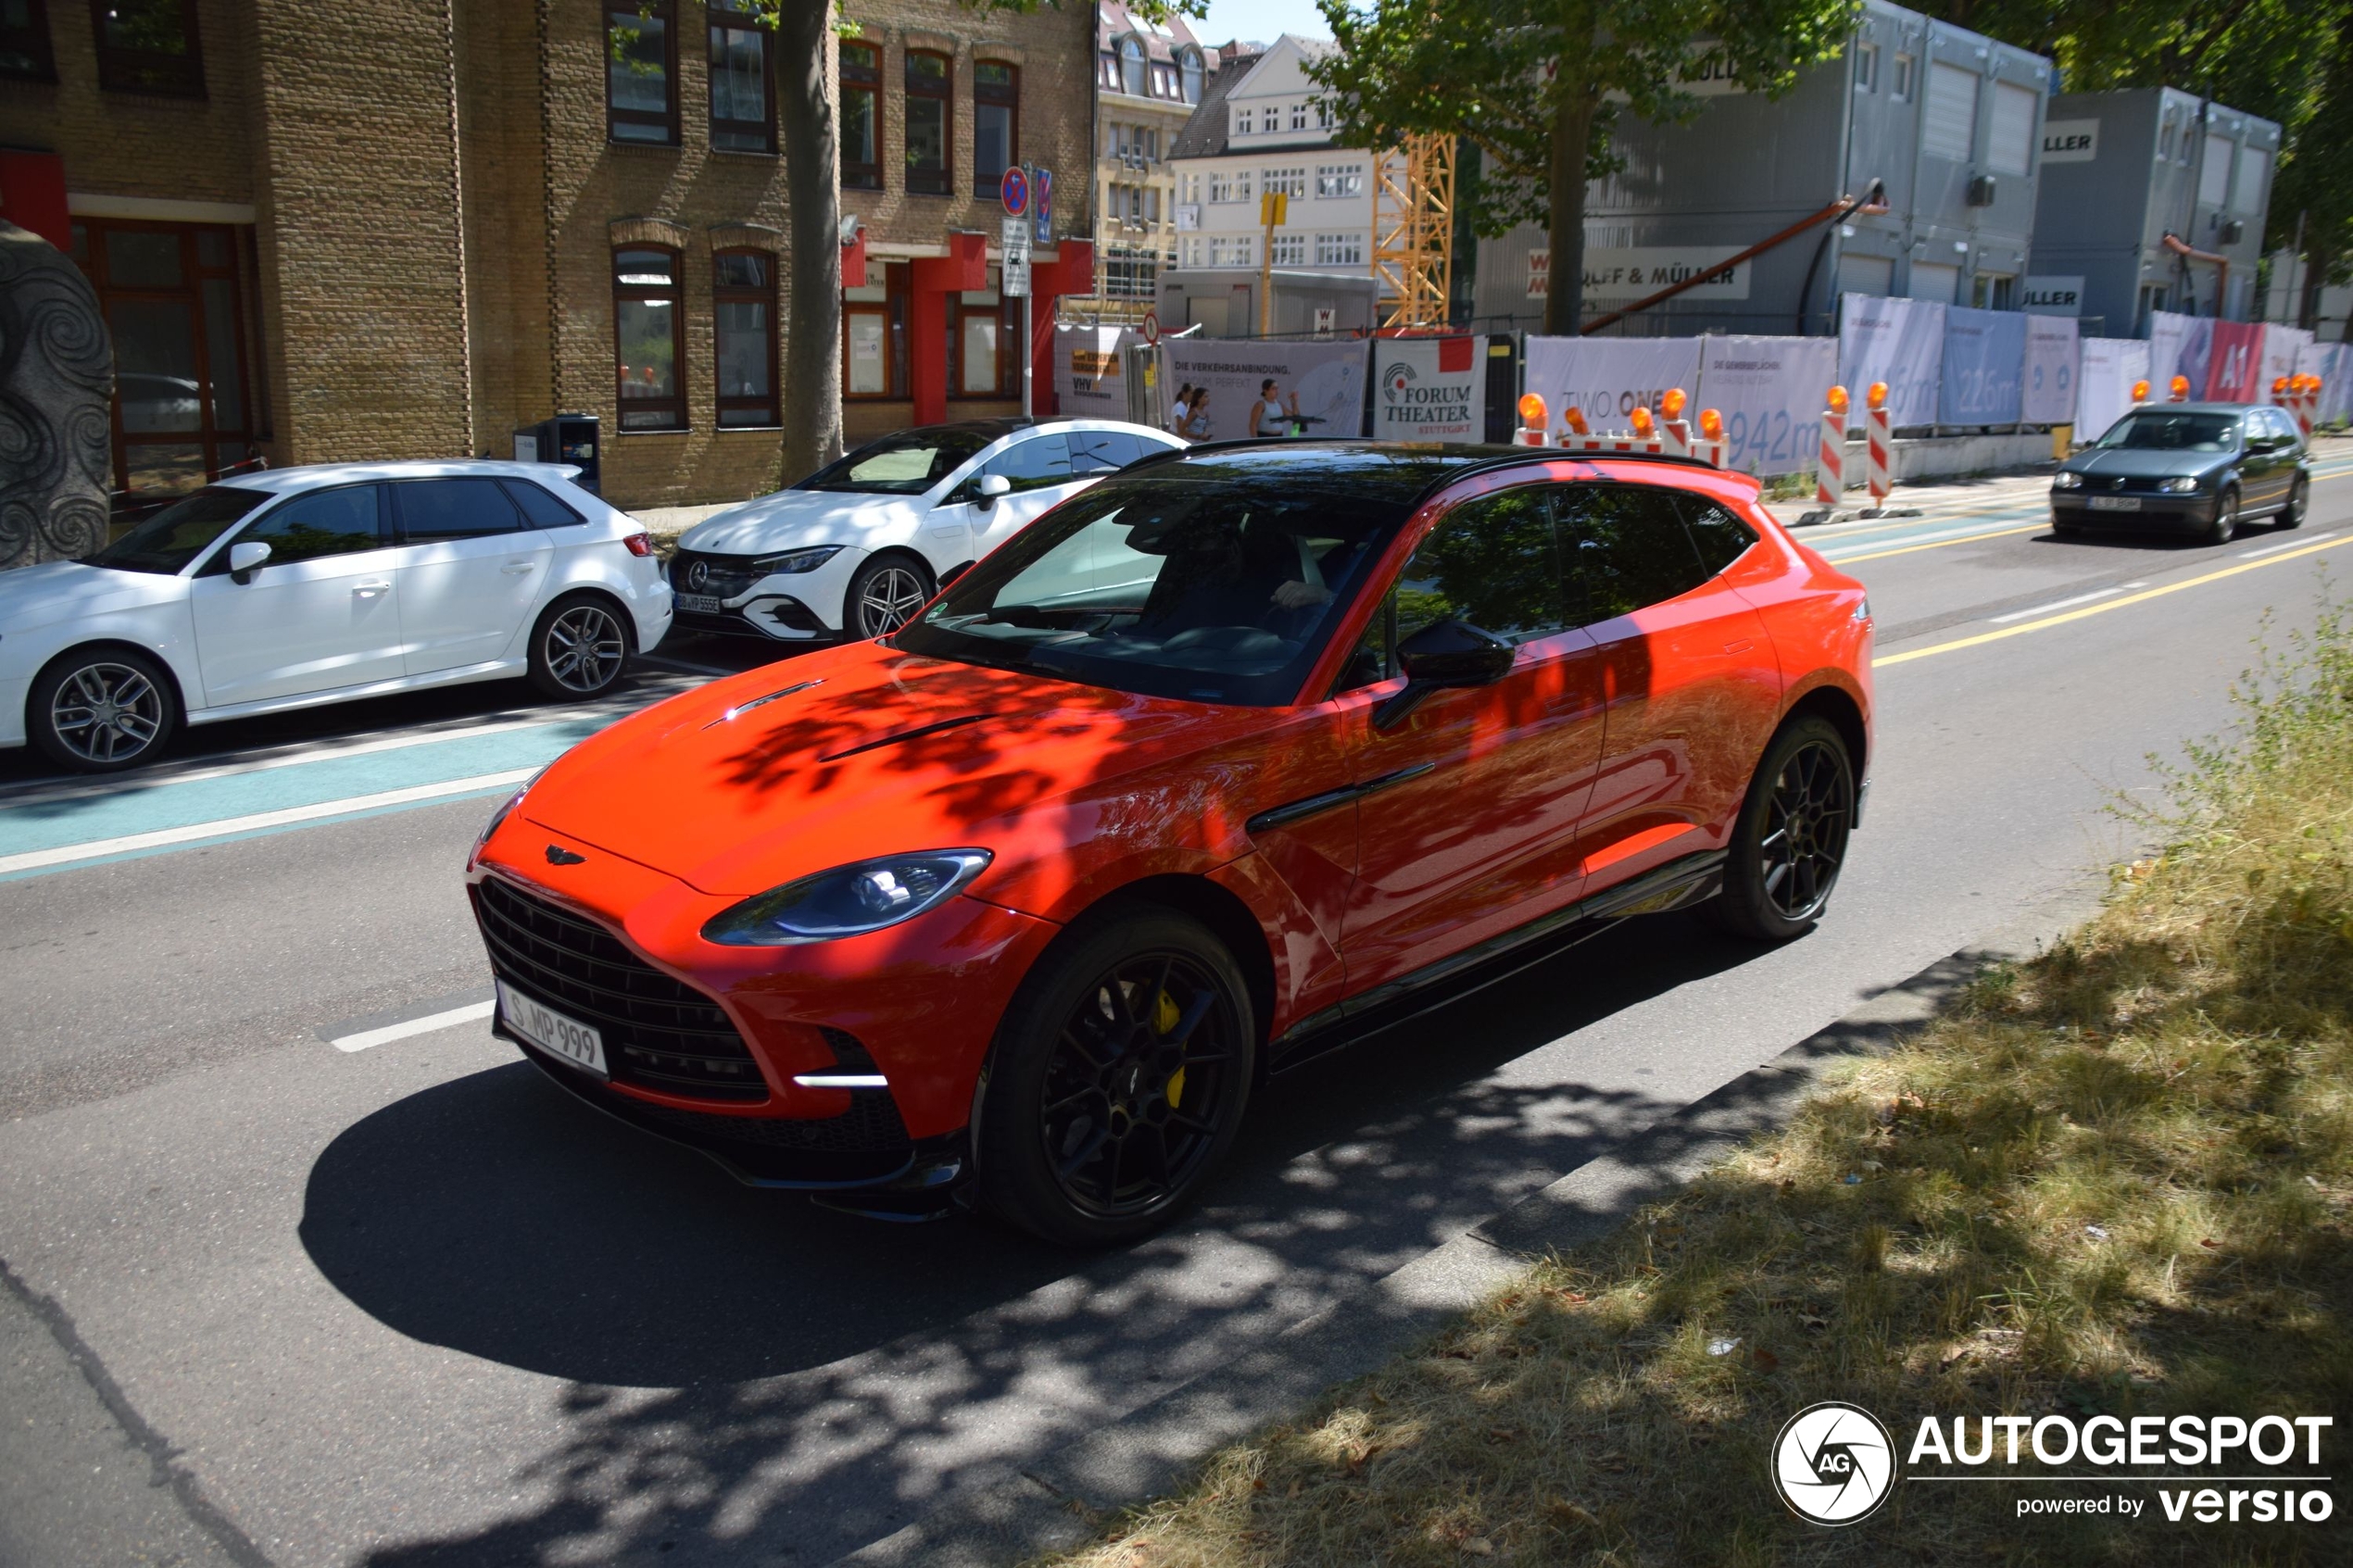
[(1188, 71), (1132, 78)]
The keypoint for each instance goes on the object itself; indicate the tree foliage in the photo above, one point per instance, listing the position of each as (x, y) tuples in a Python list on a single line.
[(1537, 85)]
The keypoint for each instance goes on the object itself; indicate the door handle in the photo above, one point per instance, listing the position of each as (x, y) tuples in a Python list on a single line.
[(369, 590), (518, 567), (1742, 646)]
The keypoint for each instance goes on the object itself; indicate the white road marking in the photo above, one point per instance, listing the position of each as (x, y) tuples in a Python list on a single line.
[(841, 1080), (2045, 609), (470, 1013), (2289, 543), (1911, 542), (98, 847)]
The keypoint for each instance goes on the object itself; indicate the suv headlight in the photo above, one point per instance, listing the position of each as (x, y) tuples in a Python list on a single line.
[(848, 901), (2067, 480), (2182, 485), (795, 560)]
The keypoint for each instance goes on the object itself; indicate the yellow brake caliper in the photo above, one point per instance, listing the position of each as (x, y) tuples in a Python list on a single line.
[(1165, 1017)]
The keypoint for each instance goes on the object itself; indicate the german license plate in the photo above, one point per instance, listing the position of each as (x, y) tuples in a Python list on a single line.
[(2115, 503), (551, 1031), (698, 604)]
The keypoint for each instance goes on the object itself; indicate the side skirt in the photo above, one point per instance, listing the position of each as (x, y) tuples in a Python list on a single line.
[(1689, 879)]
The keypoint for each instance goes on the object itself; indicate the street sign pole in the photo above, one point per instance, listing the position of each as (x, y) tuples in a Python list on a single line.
[(1014, 283)]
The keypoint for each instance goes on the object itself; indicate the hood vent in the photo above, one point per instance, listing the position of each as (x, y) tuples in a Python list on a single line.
[(920, 730)]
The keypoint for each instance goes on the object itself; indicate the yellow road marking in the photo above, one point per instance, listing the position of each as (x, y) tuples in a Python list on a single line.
[(1940, 544), (2105, 606)]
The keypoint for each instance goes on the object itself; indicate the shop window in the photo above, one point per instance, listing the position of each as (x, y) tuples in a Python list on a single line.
[(641, 73), (24, 41), (985, 335), (742, 109), (172, 300), (647, 339), (743, 304), (996, 124), (148, 46), (861, 129), (930, 80)]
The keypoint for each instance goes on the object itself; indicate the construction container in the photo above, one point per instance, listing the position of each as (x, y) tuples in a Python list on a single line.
[(1222, 302), (1946, 120), (2123, 170)]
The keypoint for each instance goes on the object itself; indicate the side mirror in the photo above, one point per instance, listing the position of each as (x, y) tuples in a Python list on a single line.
[(1450, 653), (246, 559), (990, 486)]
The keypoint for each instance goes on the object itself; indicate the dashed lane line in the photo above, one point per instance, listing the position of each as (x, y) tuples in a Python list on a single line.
[(447, 1018), (2102, 609)]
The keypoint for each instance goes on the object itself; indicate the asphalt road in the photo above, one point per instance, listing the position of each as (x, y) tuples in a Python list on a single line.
[(266, 1299)]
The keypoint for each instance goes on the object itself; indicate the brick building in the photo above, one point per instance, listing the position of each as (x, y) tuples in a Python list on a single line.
[(402, 228)]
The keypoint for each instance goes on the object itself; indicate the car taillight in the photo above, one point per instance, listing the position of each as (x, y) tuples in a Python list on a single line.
[(639, 544)]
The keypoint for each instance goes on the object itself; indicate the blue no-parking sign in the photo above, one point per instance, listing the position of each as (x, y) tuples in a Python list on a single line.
[(1044, 206)]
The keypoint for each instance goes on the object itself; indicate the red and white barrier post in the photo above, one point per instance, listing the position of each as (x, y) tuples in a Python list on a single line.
[(1879, 446), (1830, 463), (1677, 430), (1533, 421)]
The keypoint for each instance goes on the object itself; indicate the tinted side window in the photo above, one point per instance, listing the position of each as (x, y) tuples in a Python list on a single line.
[(1492, 562), (542, 509), (1721, 538), (325, 522), (1033, 464), (1100, 451), (1624, 547), (454, 508)]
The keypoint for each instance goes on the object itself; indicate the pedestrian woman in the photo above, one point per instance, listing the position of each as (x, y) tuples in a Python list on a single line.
[(1196, 427), (1269, 416), (1183, 409)]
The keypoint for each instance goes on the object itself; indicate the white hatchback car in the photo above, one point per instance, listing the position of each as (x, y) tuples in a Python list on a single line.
[(861, 545), (309, 585)]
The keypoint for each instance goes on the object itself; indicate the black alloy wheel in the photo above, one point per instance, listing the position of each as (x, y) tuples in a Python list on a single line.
[(2299, 498), (2226, 526), (1790, 841), (1118, 1081)]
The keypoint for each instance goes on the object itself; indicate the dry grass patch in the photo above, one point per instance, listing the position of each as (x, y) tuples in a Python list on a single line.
[(2114, 1179)]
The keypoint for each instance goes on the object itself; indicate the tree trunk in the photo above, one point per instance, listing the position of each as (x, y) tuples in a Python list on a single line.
[(2316, 278), (1565, 287), (811, 393)]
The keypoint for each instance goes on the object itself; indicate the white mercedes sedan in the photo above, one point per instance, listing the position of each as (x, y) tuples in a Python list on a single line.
[(861, 545), (301, 587)]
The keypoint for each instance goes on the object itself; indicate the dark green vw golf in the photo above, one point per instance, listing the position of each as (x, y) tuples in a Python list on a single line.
[(2195, 468)]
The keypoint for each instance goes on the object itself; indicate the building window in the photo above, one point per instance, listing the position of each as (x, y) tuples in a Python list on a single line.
[(862, 116), (1299, 117), (1192, 187), (24, 41), (1131, 274), (930, 80), (1323, 116), (641, 73), (1131, 67), (1901, 87), (1163, 82), (647, 345), (1340, 250), (1291, 250), (1188, 71), (146, 47), (1233, 250), (742, 112), (1867, 69), (996, 124), (1291, 183), (171, 294), (1110, 72), (1242, 123), (865, 351), (1339, 179), (743, 306), (1233, 186)]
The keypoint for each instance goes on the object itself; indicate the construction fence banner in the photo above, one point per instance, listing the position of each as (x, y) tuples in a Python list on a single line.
[(1088, 381), (1429, 389), (2330, 363), (2235, 365), (2179, 345), (1770, 391), (2283, 350), (1319, 388), (2106, 370), (1605, 379), (2051, 370), (1900, 342), (1985, 367)]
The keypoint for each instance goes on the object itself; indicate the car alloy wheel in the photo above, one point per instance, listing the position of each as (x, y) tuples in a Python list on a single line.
[(1130, 1107), (2226, 526), (107, 714), (1808, 819), (2299, 497), (888, 598), (583, 649)]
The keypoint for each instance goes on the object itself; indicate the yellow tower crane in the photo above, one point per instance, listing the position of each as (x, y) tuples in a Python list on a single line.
[(1414, 231)]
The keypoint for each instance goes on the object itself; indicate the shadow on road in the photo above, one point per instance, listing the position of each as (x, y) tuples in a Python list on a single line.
[(747, 1371)]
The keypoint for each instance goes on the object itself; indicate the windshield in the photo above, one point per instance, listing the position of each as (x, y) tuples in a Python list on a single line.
[(178, 535), (1208, 584), (2151, 431), (906, 464)]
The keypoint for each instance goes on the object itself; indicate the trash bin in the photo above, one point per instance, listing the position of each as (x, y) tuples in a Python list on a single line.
[(566, 438)]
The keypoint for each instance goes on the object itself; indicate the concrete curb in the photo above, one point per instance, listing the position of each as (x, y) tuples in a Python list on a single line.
[(1058, 1502)]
